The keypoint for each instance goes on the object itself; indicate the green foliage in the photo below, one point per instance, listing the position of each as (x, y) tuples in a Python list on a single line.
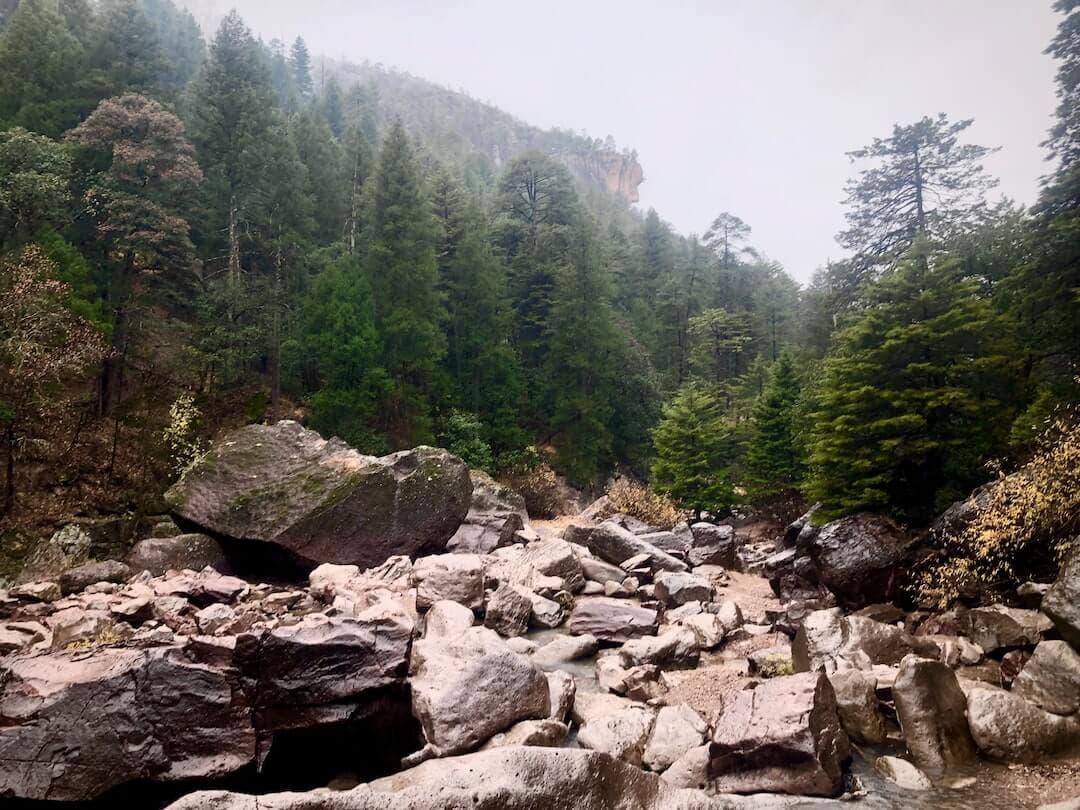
[(337, 353), (916, 394), (36, 190), (773, 458), (402, 269), (463, 435), (693, 451)]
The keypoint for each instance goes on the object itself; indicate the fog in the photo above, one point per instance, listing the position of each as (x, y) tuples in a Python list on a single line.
[(746, 106)]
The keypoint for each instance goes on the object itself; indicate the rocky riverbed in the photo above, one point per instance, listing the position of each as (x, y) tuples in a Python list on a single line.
[(268, 649)]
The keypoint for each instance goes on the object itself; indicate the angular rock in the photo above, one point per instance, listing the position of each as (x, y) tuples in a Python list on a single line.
[(554, 558), (622, 734), (902, 773), (192, 552), (467, 688), (508, 611), (67, 548), (77, 626), (546, 613), (712, 545), (564, 649), (708, 627), (36, 591), (596, 570), (615, 544), (453, 577), (321, 501), (1009, 729), (676, 730), (16, 636), (783, 737), (447, 619), (612, 620), (998, 627), (818, 641), (496, 513), (882, 643), (857, 703), (562, 689), (862, 559), (97, 720), (540, 733), (76, 579), (931, 708), (679, 588), (674, 544), (213, 618), (322, 669), (1051, 679)]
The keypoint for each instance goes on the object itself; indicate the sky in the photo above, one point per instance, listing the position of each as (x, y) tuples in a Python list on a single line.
[(747, 106)]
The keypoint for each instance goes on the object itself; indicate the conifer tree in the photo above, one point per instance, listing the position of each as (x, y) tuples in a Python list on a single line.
[(126, 53), (692, 444), (916, 394), (773, 458), (300, 65), (41, 63), (403, 272), (338, 355), (480, 361)]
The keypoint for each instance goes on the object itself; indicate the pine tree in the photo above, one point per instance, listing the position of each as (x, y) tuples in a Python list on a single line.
[(401, 265), (333, 107), (773, 458), (183, 49), (300, 65), (338, 352), (692, 444), (480, 362), (915, 395), (232, 111), (924, 183), (41, 63), (323, 159), (125, 53), (582, 342)]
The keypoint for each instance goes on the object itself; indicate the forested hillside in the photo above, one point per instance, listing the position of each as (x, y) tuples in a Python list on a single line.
[(198, 234)]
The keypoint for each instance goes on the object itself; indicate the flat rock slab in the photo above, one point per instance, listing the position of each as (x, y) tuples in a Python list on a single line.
[(321, 501), (612, 619)]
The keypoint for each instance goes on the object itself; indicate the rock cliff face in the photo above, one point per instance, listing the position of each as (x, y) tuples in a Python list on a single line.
[(617, 173)]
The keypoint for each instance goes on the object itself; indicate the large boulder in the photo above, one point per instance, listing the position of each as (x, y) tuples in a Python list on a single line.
[(320, 670), (673, 589), (319, 500), (616, 545), (612, 619), (77, 724), (1051, 679), (782, 737), (521, 778), (469, 687), (857, 702), (496, 514), (862, 559), (622, 734), (712, 545), (999, 627), (1010, 729), (1062, 601), (676, 730), (192, 552), (454, 577), (931, 708)]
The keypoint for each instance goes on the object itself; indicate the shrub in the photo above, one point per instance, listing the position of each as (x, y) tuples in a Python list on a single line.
[(1022, 528), (637, 500), (464, 437), (540, 487), (182, 434)]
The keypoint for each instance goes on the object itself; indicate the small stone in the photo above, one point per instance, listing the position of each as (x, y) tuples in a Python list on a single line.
[(902, 773)]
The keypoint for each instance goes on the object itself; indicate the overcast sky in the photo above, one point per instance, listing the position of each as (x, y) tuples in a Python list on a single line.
[(746, 106)]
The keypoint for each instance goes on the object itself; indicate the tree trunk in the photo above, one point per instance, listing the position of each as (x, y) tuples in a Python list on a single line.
[(234, 241), (112, 369), (275, 337), (9, 478)]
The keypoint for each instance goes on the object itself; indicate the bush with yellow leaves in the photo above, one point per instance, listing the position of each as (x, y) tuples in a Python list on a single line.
[(637, 500), (1023, 526)]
